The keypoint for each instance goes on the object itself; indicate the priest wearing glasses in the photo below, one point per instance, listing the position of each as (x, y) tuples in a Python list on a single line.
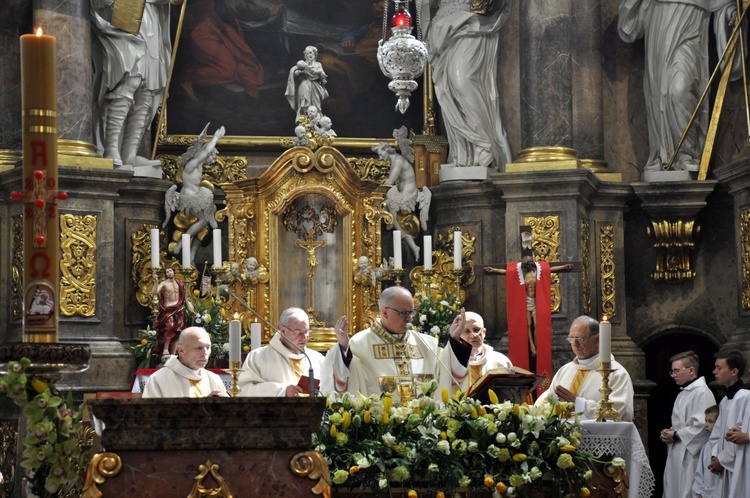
[(392, 348)]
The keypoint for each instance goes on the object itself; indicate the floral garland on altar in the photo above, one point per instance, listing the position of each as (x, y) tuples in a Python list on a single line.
[(506, 448)]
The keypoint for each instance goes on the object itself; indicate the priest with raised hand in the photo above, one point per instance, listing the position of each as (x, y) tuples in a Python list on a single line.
[(483, 357), (185, 375), (281, 368), (391, 348)]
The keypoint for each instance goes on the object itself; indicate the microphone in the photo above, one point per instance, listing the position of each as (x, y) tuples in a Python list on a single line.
[(417, 334), (223, 291)]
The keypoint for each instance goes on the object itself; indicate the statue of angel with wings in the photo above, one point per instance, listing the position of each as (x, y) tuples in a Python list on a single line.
[(193, 205), (401, 199)]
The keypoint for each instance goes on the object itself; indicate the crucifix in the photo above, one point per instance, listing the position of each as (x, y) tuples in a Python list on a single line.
[(529, 306), (310, 245)]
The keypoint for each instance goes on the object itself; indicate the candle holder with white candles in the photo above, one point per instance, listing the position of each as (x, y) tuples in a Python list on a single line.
[(235, 354), (606, 410)]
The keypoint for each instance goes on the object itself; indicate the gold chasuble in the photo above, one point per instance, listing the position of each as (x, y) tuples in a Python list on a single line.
[(396, 348)]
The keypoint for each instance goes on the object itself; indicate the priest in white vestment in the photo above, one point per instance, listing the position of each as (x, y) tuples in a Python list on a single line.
[(579, 381), (185, 375), (686, 437), (392, 348), (277, 369), (483, 356), (729, 367)]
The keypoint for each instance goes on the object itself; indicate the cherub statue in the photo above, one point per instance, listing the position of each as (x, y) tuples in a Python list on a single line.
[(323, 127), (300, 136), (401, 200), (194, 203)]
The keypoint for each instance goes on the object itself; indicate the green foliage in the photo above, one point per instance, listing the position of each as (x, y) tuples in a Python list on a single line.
[(370, 444), (435, 313), (53, 456)]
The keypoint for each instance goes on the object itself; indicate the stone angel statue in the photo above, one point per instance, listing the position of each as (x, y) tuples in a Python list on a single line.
[(193, 205), (402, 199)]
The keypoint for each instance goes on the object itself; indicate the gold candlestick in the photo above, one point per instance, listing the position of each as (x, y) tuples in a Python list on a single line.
[(427, 281), (398, 274), (606, 410), (458, 274), (235, 367)]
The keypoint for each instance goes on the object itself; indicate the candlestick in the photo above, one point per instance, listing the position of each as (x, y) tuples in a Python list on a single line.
[(254, 336), (457, 250), (216, 243), (427, 252), (606, 409), (235, 347), (154, 248), (605, 341), (41, 226), (186, 259), (397, 263), (235, 367)]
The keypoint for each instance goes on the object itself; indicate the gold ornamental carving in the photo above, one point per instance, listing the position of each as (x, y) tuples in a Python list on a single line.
[(369, 169), (8, 448), (201, 491), (586, 263), (78, 265), (673, 241), (607, 270), (745, 256), (16, 278), (226, 169), (312, 465), (620, 477), (102, 467), (443, 275), (545, 236)]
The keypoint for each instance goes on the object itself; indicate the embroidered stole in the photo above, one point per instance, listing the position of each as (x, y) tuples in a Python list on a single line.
[(296, 368), (195, 389), (575, 385), (399, 350)]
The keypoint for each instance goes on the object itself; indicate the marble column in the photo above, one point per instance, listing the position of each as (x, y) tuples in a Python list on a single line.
[(546, 33), (588, 128), (15, 20), (68, 21)]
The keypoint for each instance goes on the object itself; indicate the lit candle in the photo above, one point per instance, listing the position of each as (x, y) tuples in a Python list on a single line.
[(41, 225), (254, 336), (235, 345), (428, 252), (216, 243), (605, 340), (185, 250), (457, 250), (397, 249), (154, 248)]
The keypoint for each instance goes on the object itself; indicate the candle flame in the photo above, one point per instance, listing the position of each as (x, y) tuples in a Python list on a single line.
[(39, 31), (236, 316), (605, 318)]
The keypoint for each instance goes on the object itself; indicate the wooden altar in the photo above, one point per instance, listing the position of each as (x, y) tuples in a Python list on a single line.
[(219, 447)]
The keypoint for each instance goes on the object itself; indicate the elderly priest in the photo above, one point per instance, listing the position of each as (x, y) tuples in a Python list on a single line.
[(185, 375)]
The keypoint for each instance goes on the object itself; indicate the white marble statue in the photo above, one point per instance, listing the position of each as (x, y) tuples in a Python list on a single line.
[(405, 195), (252, 268), (306, 84), (194, 198), (131, 75), (463, 51), (677, 37)]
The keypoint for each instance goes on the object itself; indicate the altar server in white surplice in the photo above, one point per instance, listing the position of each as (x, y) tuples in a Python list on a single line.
[(391, 348), (686, 437), (729, 367), (483, 356), (185, 375), (739, 422), (705, 483), (579, 381), (280, 369)]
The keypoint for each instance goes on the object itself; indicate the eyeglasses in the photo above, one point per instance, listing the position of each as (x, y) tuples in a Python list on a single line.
[(406, 315), (297, 332), (673, 373), (576, 340)]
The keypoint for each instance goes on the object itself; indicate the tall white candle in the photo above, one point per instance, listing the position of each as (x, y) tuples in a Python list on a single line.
[(605, 341), (185, 250), (457, 250), (235, 343), (254, 336), (397, 263), (154, 248), (428, 252), (216, 243)]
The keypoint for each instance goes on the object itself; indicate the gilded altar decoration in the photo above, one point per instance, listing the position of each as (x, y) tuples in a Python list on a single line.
[(78, 265), (102, 467), (545, 234), (312, 465), (370, 169), (8, 448), (586, 264), (443, 280), (607, 269), (225, 169), (201, 491), (745, 257), (16, 279), (619, 475), (673, 241)]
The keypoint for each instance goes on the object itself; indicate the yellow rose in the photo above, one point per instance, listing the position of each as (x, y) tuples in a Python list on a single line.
[(501, 487), (489, 481)]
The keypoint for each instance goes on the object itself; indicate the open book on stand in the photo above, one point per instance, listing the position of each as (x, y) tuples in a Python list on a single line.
[(512, 384)]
